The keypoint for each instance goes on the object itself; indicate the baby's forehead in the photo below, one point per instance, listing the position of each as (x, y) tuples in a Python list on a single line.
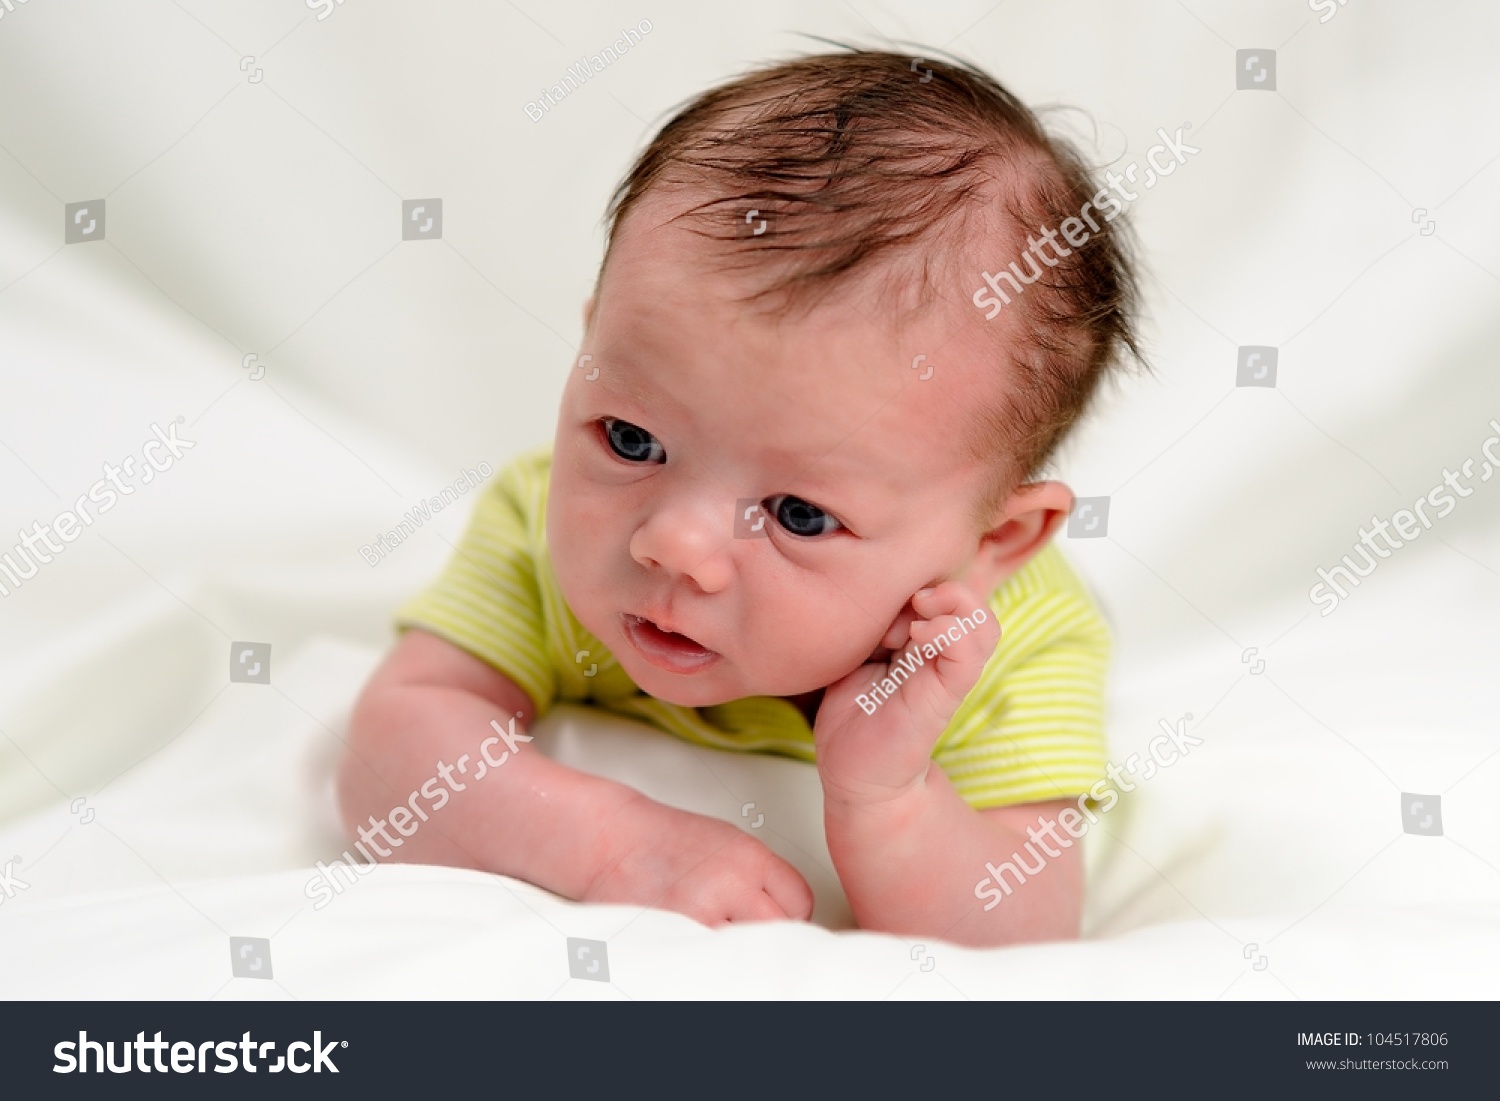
[(768, 258), (899, 323), (901, 328)]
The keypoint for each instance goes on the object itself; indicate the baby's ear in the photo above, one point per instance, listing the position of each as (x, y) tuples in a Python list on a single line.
[(588, 312), (1023, 527)]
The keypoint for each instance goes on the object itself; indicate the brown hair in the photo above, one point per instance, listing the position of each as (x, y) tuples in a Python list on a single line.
[(862, 155)]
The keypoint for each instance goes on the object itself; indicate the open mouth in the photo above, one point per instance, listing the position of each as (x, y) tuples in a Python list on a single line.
[(666, 649)]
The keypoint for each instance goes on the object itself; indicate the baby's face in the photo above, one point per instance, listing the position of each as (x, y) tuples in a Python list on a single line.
[(694, 408)]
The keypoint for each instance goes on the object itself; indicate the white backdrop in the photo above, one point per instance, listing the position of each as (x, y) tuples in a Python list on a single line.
[(252, 161)]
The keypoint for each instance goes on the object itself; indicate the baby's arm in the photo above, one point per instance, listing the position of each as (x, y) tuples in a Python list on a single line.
[(578, 835), (911, 866), (910, 852)]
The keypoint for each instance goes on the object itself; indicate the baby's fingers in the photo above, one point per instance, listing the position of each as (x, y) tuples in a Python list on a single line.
[(897, 635), (760, 907), (944, 599), (788, 891), (952, 612)]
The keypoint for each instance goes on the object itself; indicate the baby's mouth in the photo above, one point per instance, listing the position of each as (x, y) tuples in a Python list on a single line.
[(665, 649)]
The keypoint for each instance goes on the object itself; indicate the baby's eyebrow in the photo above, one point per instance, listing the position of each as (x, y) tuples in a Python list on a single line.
[(815, 477), (621, 375), (636, 390)]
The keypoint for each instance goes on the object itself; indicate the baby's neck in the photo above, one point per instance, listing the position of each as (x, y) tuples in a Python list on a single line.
[(807, 703)]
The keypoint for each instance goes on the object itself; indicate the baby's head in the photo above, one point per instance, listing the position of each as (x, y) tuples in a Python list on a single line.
[(791, 412)]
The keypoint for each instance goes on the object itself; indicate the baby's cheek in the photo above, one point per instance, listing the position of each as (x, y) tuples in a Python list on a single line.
[(573, 564), (576, 527), (815, 649)]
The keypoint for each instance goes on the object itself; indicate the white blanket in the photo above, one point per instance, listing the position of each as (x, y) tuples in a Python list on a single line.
[(150, 809)]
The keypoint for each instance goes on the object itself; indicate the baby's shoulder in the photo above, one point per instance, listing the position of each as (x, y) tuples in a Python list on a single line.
[(1047, 575)]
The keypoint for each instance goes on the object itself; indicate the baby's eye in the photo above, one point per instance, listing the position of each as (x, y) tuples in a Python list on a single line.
[(801, 518), (633, 444)]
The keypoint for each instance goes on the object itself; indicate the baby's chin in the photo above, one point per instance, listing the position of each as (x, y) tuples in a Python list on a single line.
[(682, 690)]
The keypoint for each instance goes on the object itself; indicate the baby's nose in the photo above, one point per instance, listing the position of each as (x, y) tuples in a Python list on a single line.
[(690, 539)]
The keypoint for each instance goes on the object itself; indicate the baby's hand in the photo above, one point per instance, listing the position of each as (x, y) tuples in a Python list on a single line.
[(866, 756), (702, 867)]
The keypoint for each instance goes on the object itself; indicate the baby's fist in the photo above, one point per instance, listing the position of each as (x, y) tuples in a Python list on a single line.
[(705, 868), (877, 727)]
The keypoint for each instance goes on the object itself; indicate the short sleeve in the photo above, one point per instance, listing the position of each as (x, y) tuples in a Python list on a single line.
[(1033, 727), (488, 599)]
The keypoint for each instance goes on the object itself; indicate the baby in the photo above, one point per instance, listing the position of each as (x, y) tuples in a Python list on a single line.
[(791, 507)]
